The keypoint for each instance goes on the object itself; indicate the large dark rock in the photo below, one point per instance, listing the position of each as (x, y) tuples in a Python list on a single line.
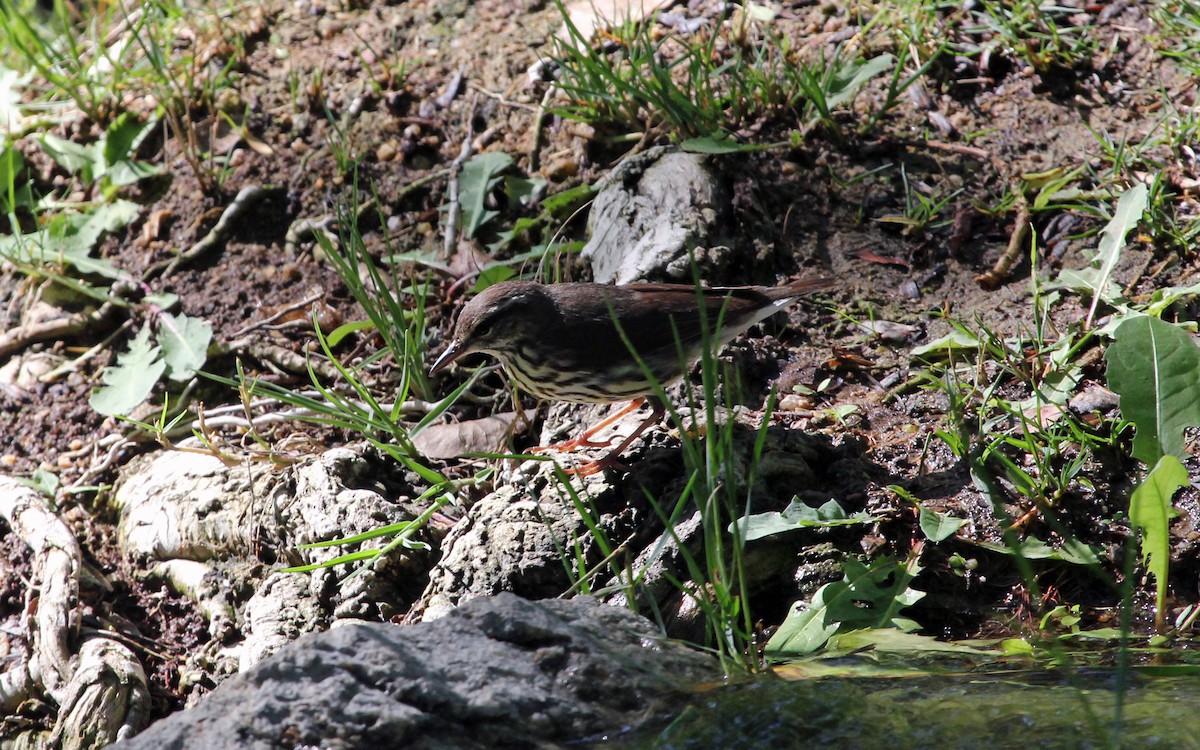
[(498, 672)]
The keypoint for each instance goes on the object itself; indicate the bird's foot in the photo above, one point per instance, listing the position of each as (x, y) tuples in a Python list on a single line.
[(585, 440), (608, 463)]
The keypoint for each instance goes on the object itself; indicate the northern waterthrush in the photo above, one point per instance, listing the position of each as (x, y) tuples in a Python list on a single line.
[(576, 341)]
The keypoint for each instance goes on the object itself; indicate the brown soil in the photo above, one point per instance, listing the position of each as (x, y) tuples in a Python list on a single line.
[(385, 101)]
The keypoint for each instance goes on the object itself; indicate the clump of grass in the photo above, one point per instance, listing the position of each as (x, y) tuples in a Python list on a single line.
[(712, 82)]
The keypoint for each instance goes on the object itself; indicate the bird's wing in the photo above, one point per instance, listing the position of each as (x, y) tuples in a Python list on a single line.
[(658, 319)]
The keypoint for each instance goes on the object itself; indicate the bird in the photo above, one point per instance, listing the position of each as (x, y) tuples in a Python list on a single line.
[(575, 341)]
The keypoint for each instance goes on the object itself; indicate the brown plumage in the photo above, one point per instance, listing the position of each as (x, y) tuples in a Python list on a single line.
[(564, 341)]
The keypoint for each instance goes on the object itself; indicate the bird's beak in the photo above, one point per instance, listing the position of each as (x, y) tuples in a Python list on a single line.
[(453, 352)]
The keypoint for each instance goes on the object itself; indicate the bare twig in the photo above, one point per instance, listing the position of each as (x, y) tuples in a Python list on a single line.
[(71, 325), (278, 314), (535, 148), (245, 198), (1016, 247), (455, 208)]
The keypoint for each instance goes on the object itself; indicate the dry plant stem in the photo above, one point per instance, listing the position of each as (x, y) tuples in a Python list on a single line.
[(279, 314), (450, 237), (73, 365), (246, 197), (303, 230), (539, 119), (1012, 254), (501, 98), (958, 148), (286, 359), (56, 563), (68, 327)]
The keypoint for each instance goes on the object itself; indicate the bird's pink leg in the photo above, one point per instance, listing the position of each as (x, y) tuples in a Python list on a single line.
[(584, 440), (609, 461)]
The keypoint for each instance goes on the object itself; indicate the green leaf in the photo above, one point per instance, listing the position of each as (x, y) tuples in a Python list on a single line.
[(1166, 296), (129, 382), (14, 192), (568, 200), (1072, 551), (1130, 209), (717, 144), (1155, 368), (797, 515), (129, 172), (520, 190), (1150, 511), (865, 598), (85, 160), (1096, 279), (846, 80), (104, 219), (956, 342), (43, 481), (164, 300), (938, 526), (184, 343), (493, 275), (336, 335), (893, 640), (120, 136), (479, 176)]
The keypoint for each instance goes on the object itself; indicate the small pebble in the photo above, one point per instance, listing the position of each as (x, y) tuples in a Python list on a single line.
[(386, 152)]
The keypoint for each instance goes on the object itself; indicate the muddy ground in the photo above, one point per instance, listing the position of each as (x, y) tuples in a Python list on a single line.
[(388, 98)]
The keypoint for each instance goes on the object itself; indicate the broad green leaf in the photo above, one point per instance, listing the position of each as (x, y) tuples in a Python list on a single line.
[(85, 160), (865, 598), (83, 262), (43, 481), (478, 177), (520, 190), (893, 640), (1150, 511), (120, 137), (568, 200), (493, 275), (1096, 279), (846, 80), (128, 172), (1155, 368), (184, 344), (14, 192), (797, 515), (938, 526), (164, 300), (955, 342), (108, 218), (1072, 551), (1163, 298), (130, 381), (1130, 209), (716, 144)]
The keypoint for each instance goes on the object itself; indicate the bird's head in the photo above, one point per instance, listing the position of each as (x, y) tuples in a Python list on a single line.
[(496, 321)]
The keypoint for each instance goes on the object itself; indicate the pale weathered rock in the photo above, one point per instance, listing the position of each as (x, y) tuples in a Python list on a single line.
[(643, 224)]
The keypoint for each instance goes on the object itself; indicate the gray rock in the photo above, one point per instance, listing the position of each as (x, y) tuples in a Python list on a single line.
[(644, 223), (499, 672)]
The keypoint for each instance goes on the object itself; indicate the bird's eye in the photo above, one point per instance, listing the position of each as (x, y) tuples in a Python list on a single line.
[(483, 329)]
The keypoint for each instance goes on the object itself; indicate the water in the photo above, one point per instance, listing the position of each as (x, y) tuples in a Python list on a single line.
[(1029, 710)]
